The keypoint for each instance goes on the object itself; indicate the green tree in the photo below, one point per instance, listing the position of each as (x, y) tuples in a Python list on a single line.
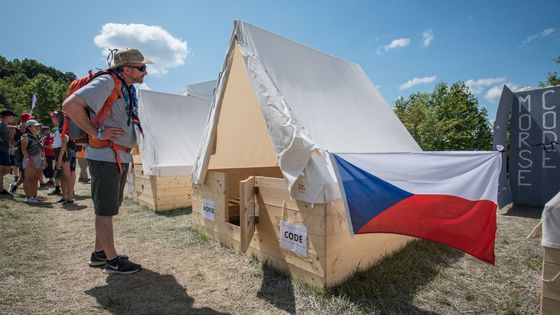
[(553, 77), (447, 119), (19, 80)]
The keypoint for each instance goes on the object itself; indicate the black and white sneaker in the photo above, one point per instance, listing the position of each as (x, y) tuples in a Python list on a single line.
[(97, 259), (121, 265), (66, 202)]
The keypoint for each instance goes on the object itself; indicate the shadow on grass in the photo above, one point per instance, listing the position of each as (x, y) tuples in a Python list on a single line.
[(73, 207), (80, 197), (41, 204), (524, 211), (175, 212), (145, 292), (390, 286), (277, 289)]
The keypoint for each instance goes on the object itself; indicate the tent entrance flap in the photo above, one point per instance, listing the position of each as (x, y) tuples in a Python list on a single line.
[(242, 138)]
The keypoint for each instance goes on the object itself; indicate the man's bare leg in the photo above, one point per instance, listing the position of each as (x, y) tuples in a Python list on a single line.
[(104, 239)]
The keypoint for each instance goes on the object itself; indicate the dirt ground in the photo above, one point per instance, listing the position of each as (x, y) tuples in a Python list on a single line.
[(44, 251)]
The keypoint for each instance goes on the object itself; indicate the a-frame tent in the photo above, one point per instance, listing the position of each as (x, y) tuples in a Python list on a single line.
[(173, 126), (278, 108)]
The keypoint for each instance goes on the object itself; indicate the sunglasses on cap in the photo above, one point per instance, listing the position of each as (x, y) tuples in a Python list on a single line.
[(141, 68)]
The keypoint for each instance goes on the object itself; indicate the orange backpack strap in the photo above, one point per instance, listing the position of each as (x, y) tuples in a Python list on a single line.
[(106, 109), (116, 148)]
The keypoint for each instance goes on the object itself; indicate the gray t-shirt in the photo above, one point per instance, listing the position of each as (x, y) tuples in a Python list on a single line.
[(95, 94), (5, 136)]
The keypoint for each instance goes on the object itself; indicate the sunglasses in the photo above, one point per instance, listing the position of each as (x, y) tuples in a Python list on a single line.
[(139, 68)]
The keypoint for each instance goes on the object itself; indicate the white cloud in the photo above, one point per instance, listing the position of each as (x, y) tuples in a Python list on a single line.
[(494, 93), (153, 41), (427, 37), (477, 86), (395, 43), (416, 81), (544, 33)]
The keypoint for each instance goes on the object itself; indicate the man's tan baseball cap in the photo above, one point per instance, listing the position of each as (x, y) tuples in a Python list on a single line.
[(128, 56)]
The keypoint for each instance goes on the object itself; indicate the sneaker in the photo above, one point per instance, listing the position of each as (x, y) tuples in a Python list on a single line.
[(31, 200), (13, 188), (97, 259), (4, 192), (121, 265), (66, 202), (61, 200)]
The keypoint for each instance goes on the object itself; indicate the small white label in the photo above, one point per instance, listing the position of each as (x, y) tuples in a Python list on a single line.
[(208, 209), (293, 237)]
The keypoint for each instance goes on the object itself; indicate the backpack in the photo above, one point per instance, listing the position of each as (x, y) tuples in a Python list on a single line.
[(18, 153), (76, 135), (69, 127)]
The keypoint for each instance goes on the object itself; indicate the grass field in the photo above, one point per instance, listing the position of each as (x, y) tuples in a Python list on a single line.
[(44, 252)]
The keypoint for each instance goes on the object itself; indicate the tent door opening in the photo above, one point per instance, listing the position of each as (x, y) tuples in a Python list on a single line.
[(247, 208)]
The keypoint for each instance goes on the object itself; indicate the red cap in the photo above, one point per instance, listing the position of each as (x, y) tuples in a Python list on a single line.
[(25, 117)]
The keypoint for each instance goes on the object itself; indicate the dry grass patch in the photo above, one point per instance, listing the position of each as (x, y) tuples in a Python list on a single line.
[(44, 252)]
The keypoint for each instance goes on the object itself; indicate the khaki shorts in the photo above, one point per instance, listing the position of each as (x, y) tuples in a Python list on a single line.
[(38, 162), (107, 186)]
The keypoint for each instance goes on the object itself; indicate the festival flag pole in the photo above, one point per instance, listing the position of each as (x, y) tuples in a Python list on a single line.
[(33, 102)]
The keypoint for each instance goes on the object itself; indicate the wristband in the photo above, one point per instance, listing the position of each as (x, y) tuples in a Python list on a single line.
[(99, 131)]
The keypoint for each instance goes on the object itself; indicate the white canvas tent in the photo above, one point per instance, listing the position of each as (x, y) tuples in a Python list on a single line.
[(202, 89), (300, 103), (263, 165), (173, 126)]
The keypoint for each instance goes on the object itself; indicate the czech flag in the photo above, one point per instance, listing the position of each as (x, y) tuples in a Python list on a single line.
[(446, 197)]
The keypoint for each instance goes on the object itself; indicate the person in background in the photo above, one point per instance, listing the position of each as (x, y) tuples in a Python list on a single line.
[(6, 118), (82, 162), (16, 140), (66, 161), (48, 151), (57, 143), (33, 162)]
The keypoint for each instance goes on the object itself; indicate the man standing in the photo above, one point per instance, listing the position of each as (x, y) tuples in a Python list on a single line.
[(109, 164), (6, 118)]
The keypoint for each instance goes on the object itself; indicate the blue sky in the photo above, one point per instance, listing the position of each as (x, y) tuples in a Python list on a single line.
[(403, 46)]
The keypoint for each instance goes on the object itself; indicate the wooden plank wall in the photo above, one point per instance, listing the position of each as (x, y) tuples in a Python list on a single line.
[(333, 254), (550, 285), (273, 204), (346, 253), (162, 193)]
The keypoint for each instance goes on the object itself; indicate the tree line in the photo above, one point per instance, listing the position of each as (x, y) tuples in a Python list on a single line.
[(449, 118), (19, 80)]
